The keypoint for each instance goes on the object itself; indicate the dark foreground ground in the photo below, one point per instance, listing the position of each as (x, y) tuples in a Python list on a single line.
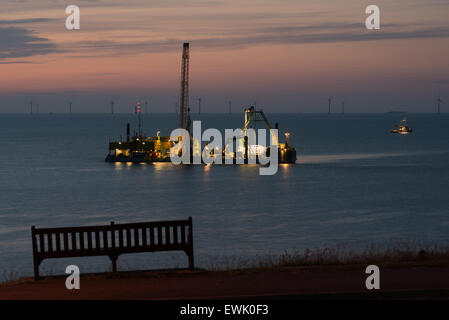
[(400, 281)]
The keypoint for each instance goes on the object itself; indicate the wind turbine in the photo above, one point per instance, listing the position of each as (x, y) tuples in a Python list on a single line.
[(329, 101), (439, 101), (112, 106)]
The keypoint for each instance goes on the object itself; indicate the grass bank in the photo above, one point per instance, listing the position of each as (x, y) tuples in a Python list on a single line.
[(399, 254)]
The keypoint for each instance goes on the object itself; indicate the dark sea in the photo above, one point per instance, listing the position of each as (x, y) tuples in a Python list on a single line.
[(354, 185)]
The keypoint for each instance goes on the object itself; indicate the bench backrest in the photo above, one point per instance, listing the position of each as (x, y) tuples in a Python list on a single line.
[(112, 240)]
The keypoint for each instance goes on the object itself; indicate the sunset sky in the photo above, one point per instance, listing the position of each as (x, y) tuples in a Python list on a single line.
[(288, 55)]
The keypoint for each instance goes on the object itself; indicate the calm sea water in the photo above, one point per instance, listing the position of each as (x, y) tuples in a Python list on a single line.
[(355, 184)]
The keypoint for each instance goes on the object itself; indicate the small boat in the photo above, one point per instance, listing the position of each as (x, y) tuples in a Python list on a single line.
[(402, 128)]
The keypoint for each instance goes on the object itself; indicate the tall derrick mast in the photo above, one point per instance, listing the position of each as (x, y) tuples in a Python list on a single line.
[(139, 113), (184, 103)]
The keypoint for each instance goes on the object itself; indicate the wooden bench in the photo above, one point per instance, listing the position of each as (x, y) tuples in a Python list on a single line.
[(112, 240)]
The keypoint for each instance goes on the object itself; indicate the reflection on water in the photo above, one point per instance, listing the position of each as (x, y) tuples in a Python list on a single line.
[(161, 166), (341, 157)]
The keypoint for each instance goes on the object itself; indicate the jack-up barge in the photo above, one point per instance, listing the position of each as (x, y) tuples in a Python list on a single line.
[(142, 149)]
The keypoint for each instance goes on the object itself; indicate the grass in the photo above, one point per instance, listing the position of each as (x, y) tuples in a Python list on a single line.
[(399, 254), (9, 277)]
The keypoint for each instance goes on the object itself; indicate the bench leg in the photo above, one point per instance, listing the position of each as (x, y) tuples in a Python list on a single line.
[(114, 264), (191, 260), (36, 270)]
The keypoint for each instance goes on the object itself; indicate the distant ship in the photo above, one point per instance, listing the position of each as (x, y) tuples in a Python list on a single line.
[(402, 128), (397, 112)]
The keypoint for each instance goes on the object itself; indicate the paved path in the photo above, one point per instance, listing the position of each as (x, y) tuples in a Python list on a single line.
[(298, 282)]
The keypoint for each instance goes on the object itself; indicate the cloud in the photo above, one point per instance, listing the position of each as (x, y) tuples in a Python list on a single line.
[(104, 74), (324, 33), (14, 62), (25, 21), (18, 42)]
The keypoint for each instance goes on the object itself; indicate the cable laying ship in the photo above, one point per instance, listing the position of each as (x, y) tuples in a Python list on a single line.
[(142, 149)]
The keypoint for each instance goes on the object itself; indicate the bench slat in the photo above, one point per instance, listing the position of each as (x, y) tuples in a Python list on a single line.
[(136, 237), (144, 237), (81, 240), (120, 238), (41, 241), (183, 234), (73, 235), (159, 235), (151, 237), (66, 241), (89, 240), (175, 234), (128, 238), (58, 242), (105, 240), (97, 240), (50, 242), (167, 235), (113, 238)]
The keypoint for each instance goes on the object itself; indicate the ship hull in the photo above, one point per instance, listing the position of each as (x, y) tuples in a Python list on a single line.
[(288, 156)]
